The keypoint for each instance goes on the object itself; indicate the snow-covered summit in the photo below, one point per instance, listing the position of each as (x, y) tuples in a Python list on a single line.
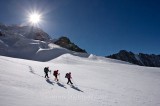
[(29, 42), (30, 32)]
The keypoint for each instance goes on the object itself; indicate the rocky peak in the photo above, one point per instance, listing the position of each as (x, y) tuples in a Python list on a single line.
[(66, 43)]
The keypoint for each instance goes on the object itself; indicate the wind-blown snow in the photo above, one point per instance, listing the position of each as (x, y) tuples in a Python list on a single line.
[(97, 83)]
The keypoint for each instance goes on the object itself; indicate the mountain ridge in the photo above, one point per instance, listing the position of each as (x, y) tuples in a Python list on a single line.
[(150, 60)]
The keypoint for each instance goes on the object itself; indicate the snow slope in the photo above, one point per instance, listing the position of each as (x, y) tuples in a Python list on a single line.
[(98, 82)]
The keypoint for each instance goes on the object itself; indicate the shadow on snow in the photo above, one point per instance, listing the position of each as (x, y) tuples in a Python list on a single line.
[(76, 88), (49, 82), (61, 85)]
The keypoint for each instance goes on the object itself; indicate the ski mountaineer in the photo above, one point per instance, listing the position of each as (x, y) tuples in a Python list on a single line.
[(46, 70), (68, 76), (55, 73)]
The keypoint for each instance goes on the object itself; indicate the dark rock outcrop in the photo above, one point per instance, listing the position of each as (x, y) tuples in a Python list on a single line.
[(1, 34), (66, 43), (139, 59)]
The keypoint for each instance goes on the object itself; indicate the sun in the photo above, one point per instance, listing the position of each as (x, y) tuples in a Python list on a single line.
[(35, 18)]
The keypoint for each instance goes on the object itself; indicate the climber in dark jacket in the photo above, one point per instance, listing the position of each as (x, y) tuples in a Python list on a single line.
[(68, 76), (46, 70)]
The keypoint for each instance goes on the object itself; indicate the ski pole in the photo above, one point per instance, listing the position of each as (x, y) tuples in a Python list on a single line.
[(59, 77), (74, 82), (50, 72)]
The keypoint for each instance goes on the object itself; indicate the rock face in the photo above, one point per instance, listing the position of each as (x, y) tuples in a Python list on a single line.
[(66, 43), (139, 59)]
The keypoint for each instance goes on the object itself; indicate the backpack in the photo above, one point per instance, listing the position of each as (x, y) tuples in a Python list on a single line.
[(67, 75), (55, 73), (45, 70)]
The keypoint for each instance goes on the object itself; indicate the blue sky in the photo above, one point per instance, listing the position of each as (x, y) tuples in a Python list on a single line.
[(101, 27)]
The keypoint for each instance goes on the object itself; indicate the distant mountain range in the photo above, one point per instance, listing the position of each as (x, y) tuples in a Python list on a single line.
[(141, 59), (33, 43)]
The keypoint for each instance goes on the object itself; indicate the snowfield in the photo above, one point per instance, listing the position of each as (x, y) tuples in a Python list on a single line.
[(97, 82)]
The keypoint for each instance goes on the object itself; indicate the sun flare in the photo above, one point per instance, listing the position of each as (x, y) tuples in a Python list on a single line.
[(35, 18)]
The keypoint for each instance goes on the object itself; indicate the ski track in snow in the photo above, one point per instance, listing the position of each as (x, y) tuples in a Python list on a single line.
[(96, 83)]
